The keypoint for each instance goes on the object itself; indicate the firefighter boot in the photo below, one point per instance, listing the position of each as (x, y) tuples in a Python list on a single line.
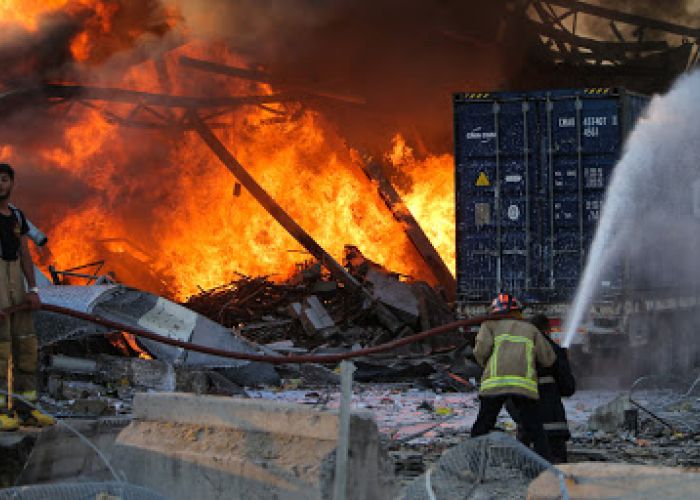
[(9, 421), (36, 418)]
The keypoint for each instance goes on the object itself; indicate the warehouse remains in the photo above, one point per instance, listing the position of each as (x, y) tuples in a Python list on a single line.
[(269, 251)]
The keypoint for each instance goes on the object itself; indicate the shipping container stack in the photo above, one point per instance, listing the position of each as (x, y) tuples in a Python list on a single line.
[(531, 171)]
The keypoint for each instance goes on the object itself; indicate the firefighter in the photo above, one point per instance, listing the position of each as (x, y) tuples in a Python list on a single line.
[(553, 383), (508, 349), (18, 343)]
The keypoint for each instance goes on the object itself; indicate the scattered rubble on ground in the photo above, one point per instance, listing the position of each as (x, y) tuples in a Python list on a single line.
[(422, 397)]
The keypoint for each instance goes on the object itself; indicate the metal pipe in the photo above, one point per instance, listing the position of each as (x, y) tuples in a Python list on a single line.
[(275, 360)]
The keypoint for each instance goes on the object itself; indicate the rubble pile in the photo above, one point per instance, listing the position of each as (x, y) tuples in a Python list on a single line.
[(312, 309)]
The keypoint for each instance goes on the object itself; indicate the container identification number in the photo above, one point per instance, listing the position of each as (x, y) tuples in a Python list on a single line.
[(590, 124)]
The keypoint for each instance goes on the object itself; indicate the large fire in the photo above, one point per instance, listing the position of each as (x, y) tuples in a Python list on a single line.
[(169, 200)]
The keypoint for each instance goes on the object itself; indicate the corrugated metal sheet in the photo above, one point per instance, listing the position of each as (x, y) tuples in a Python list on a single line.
[(143, 310), (531, 171)]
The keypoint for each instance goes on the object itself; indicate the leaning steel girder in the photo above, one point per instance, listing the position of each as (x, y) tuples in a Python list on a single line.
[(190, 118), (151, 110)]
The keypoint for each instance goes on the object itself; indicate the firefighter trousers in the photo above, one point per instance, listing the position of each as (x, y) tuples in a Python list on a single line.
[(17, 334), (490, 407)]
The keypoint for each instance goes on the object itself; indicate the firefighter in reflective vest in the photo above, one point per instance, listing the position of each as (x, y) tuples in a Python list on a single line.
[(509, 350)]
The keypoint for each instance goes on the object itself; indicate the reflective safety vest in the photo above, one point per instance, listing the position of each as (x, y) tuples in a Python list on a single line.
[(498, 380)]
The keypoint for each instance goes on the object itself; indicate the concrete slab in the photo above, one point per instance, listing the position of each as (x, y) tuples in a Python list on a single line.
[(394, 293), (186, 446), (610, 417), (619, 481)]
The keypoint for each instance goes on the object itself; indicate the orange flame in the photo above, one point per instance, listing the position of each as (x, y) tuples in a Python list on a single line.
[(127, 345), (430, 197), (179, 203), (27, 12)]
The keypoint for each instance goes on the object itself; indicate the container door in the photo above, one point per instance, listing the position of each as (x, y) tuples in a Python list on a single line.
[(516, 193), (494, 164), (478, 272), (584, 137)]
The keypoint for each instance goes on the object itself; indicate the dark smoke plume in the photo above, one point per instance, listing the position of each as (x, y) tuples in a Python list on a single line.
[(30, 56), (405, 58)]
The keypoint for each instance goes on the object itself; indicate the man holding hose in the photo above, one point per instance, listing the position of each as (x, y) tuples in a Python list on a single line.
[(18, 343)]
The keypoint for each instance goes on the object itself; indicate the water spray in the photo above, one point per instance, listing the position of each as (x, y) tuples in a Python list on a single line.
[(651, 214)]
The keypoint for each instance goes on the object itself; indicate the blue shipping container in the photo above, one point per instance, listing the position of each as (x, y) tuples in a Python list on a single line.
[(531, 170)]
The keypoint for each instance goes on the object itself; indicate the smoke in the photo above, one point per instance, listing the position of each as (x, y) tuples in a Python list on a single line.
[(404, 59), (677, 11), (652, 209), (36, 55), (65, 42)]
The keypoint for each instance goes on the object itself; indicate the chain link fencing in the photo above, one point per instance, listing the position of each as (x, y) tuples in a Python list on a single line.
[(491, 466)]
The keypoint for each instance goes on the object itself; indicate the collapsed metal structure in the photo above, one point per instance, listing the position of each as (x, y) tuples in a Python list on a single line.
[(600, 46), (177, 113)]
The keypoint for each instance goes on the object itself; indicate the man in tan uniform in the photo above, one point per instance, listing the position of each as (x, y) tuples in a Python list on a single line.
[(508, 349), (18, 343)]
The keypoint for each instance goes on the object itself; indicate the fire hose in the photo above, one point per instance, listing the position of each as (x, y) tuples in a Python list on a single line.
[(275, 360)]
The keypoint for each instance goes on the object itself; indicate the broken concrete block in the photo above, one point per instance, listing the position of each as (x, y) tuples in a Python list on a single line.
[(144, 373), (194, 381), (611, 480), (206, 382), (185, 446), (250, 375), (312, 315), (76, 389), (610, 417), (90, 407), (312, 374), (316, 314), (394, 293)]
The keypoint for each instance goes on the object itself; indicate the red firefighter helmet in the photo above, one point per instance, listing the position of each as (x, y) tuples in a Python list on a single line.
[(504, 303)]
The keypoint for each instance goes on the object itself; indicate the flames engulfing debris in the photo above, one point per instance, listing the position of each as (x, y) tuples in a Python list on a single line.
[(167, 192), (312, 309)]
